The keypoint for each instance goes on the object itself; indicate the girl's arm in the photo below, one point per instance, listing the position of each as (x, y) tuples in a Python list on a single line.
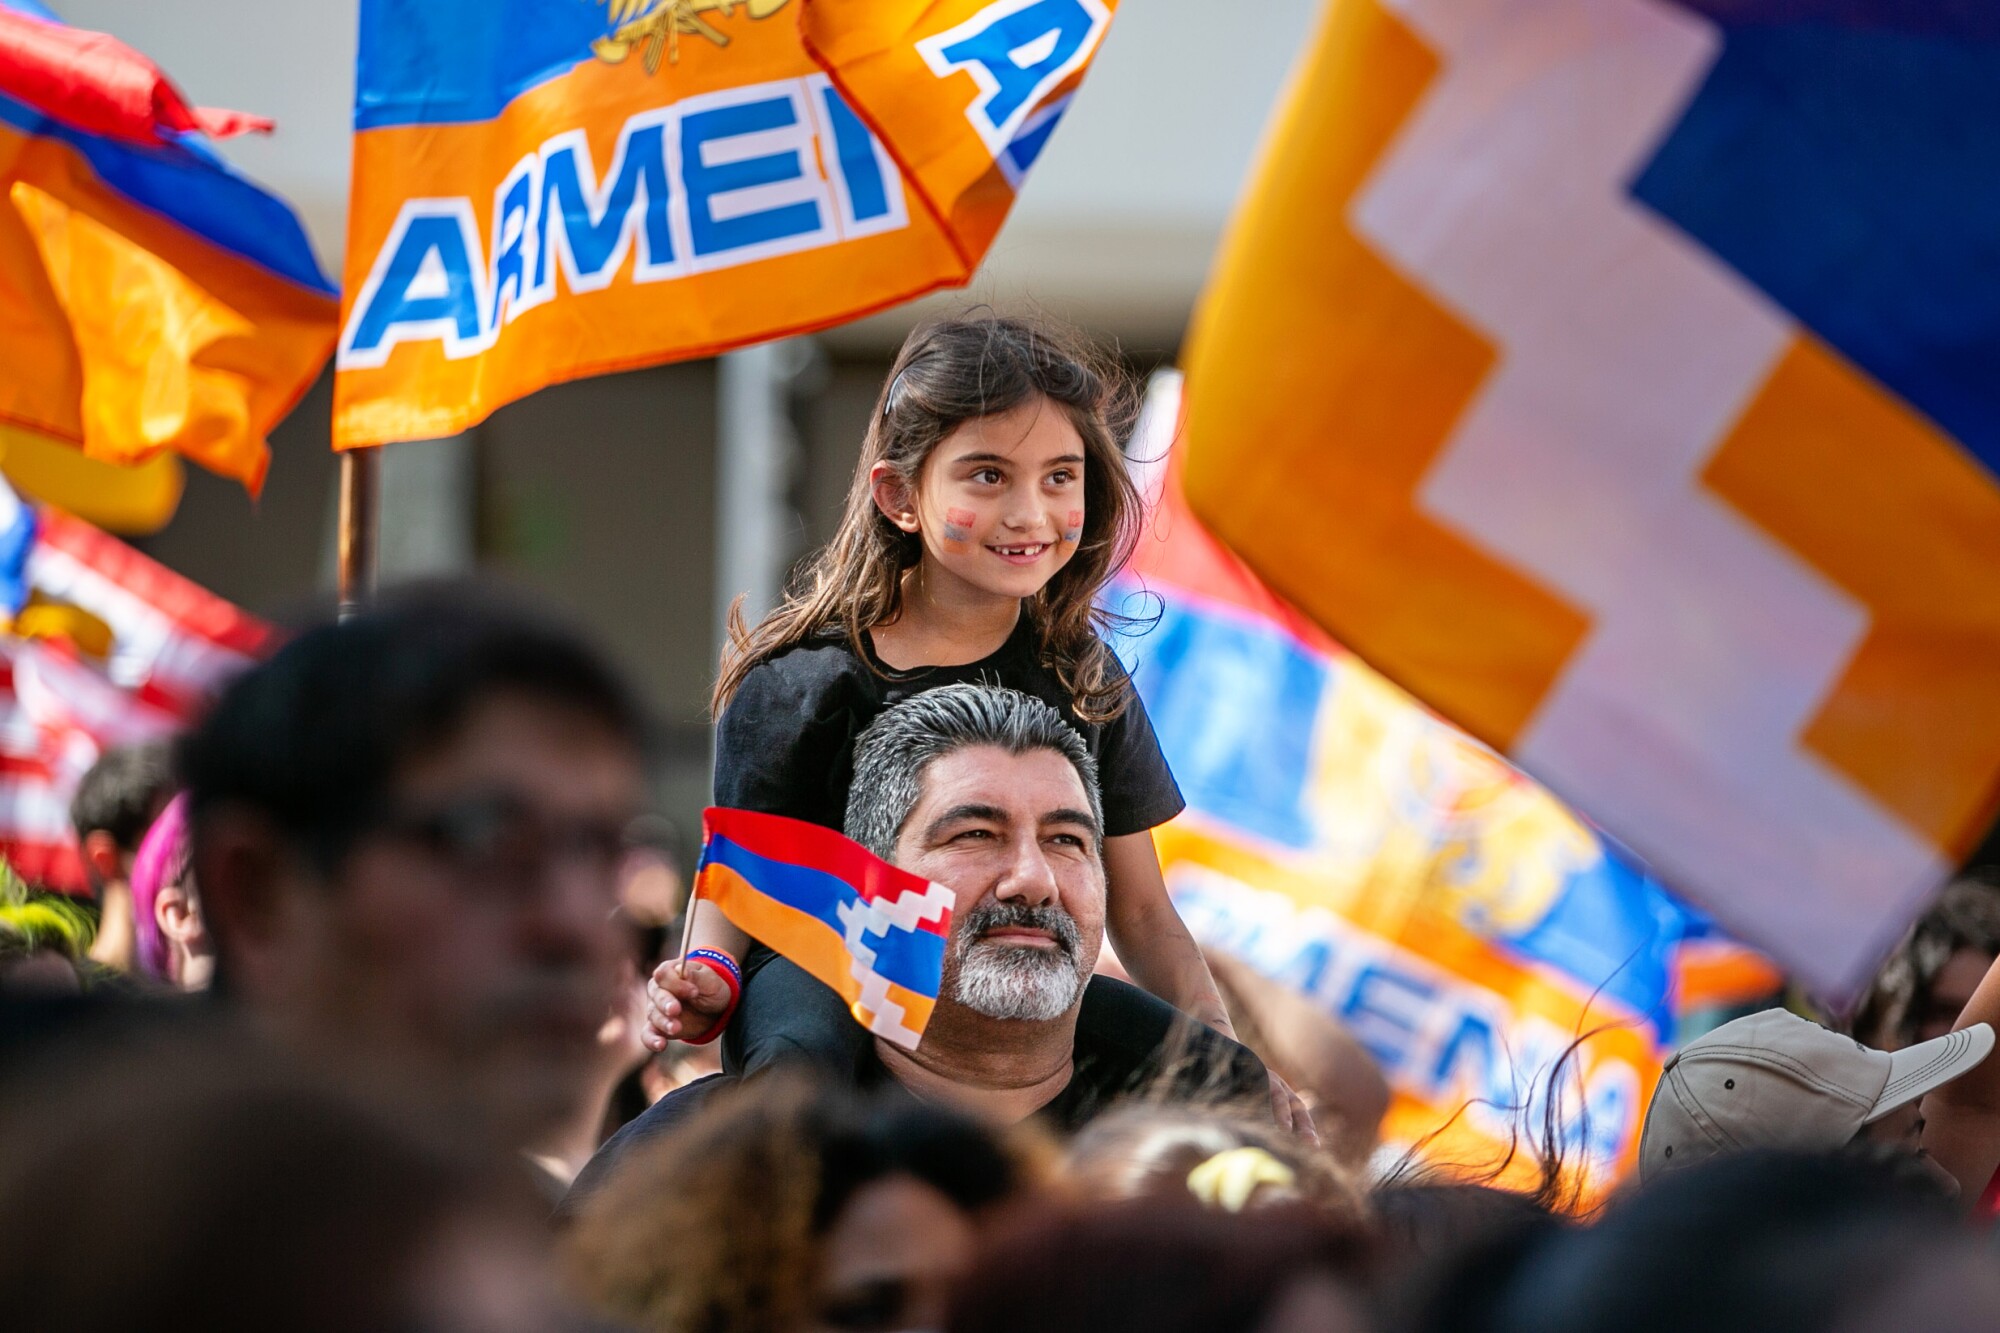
[(1962, 1119), (1149, 935), (684, 1002), (1154, 944)]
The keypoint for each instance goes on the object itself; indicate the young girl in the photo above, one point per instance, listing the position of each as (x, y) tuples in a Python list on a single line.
[(990, 506)]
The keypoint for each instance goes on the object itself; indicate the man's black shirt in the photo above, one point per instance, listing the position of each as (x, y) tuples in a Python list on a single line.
[(1127, 1043)]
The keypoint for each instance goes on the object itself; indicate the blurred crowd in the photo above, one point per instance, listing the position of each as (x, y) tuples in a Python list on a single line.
[(354, 1036)]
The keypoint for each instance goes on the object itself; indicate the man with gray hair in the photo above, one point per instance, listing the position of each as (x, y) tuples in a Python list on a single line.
[(994, 965), (988, 791)]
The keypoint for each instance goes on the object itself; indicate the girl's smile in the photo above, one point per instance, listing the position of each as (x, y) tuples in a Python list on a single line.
[(1023, 554)]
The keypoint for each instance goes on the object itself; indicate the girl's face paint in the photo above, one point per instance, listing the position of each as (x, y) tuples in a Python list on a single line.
[(1000, 502), (955, 533)]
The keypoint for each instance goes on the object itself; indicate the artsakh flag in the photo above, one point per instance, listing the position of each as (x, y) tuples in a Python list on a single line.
[(99, 646), (1618, 376), (152, 301), (874, 933), (550, 189), (1457, 920)]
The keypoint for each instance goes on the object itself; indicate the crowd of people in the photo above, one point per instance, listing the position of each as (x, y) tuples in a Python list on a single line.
[(378, 1027)]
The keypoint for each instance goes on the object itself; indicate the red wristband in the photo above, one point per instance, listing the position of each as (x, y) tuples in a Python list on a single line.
[(731, 978)]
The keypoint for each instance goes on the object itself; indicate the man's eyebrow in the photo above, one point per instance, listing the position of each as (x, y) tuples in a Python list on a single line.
[(989, 813), (1066, 815)]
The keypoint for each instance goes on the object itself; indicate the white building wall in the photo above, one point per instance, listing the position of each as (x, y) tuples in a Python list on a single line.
[(1115, 227)]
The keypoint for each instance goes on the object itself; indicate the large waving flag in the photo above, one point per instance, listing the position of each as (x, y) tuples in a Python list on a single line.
[(1456, 918), (152, 301), (874, 933), (549, 189), (1618, 377), (99, 646)]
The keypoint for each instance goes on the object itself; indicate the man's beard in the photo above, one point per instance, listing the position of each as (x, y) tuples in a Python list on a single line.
[(1018, 980)]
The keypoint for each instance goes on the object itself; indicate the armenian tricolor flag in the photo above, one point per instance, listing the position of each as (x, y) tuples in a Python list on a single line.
[(874, 933), (152, 301)]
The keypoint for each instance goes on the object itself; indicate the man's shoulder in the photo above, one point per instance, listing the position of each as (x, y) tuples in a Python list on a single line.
[(1129, 1042), (662, 1117)]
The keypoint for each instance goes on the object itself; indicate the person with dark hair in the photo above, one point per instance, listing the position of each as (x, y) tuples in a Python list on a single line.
[(1928, 981), (1155, 1267), (990, 793), (788, 1207), (409, 829), (991, 503), (1447, 1248), (117, 801), (1757, 1242), (1224, 1161), (179, 1176)]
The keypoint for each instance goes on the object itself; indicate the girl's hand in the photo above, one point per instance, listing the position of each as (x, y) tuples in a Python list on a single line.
[(683, 1003), (1289, 1110)]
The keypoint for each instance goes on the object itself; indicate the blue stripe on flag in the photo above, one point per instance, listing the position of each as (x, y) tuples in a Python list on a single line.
[(189, 184), (447, 62), (913, 959), (1850, 170)]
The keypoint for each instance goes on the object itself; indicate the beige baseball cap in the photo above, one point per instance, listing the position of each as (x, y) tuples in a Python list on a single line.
[(1775, 1080)]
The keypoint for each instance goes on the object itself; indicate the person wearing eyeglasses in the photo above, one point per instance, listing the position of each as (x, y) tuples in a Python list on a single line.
[(410, 829)]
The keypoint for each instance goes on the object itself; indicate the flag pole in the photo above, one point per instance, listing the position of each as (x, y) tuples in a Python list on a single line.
[(360, 516), (687, 923)]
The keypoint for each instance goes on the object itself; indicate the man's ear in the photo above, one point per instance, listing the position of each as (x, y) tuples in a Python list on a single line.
[(103, 857), (895, 497), (241, 864)]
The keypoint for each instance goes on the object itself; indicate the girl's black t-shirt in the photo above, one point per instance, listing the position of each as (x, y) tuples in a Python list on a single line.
[(785, 744)]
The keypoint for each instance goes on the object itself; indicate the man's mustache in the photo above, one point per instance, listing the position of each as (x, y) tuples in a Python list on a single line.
[(1059, 925)]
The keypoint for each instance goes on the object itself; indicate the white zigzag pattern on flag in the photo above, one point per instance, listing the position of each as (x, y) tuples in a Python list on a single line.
[(861, 919)]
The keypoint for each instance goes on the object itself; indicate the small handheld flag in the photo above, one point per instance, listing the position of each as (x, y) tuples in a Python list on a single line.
[(874, 933)]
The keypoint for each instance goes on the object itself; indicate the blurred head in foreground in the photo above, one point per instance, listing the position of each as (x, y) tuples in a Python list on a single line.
[(180, 1179), (409, 829), (784, 1207), (1167, 1267), (1762, 1242), (1224, 1161), (42, 939)]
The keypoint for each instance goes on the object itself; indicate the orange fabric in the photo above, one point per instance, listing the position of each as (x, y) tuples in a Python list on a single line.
[(1321, 385), (1915, 719), (130, 337)]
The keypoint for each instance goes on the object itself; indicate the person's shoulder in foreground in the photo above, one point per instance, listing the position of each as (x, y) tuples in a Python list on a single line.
[(1128, 1044)]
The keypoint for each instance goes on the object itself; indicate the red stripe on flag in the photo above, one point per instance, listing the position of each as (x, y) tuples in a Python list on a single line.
[(96, 83), (802, 843), (25, 766)]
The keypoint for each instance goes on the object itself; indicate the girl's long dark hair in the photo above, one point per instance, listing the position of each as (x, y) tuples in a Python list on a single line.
[(951, 371)]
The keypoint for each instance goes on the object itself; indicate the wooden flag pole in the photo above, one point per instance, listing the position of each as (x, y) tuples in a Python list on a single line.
[(687, 925), (360, 520)]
